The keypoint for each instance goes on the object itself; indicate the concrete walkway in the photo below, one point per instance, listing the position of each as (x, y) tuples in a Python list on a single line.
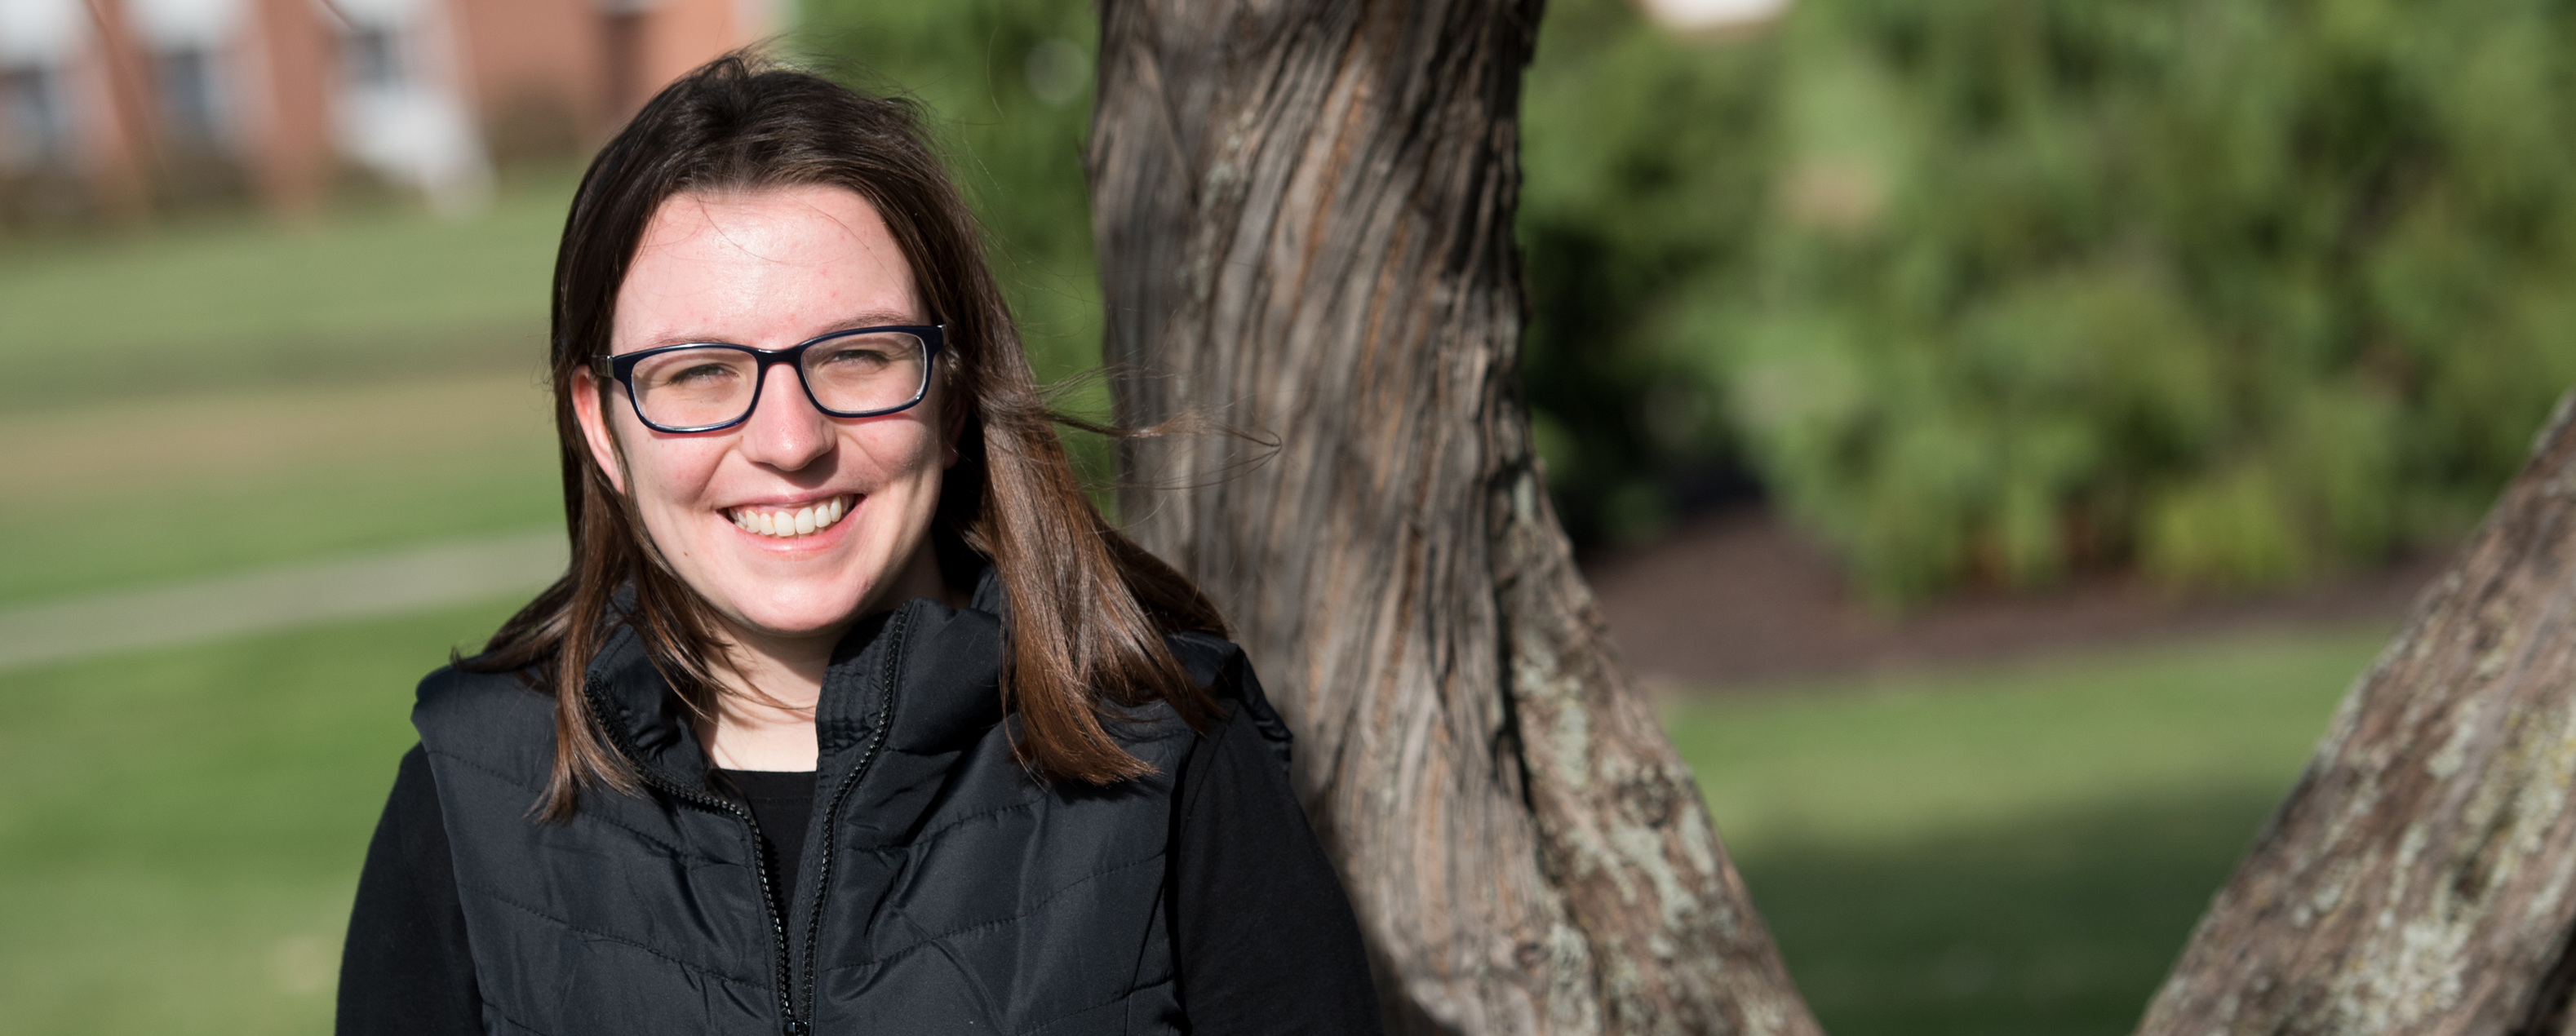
[(409, 580)]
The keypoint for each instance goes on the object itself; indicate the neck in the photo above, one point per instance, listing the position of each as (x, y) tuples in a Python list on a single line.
[(765, 718)]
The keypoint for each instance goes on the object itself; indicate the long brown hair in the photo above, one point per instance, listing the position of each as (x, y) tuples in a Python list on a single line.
[(1088, 608)]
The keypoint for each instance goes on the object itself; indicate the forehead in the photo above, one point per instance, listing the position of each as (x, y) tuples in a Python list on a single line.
[(766, 267)]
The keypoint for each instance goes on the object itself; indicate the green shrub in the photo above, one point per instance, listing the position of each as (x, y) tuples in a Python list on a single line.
[(1645, 167), (2230, 291)]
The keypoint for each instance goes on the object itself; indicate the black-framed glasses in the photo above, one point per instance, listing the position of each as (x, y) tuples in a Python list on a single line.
[(707, 386)]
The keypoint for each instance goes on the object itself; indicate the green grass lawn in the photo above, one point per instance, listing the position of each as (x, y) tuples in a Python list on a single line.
[(229, 393), (1997, 852), (2009, 851), (113, 495), (180, 830), (224, 303)]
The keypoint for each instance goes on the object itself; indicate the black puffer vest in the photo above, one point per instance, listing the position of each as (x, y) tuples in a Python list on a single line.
[(942, 889)]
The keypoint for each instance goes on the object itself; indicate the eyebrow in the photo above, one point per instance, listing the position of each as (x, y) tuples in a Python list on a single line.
[(870, 318)]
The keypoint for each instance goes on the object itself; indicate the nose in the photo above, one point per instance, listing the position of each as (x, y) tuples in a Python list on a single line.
[(785, 431)]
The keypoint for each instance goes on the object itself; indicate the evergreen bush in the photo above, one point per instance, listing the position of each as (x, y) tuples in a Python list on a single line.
[(2227, 291)]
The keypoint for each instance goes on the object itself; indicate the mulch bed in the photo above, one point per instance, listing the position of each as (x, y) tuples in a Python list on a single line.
[(1735, 600)]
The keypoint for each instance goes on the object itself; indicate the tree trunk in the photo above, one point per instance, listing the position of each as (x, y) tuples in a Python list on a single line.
[(1304, 213), (2417, 879)]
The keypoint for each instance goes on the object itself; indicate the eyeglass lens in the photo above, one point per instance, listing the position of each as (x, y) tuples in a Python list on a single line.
[(689, 388)]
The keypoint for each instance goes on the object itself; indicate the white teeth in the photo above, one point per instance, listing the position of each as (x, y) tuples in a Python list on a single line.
[(800, 522)]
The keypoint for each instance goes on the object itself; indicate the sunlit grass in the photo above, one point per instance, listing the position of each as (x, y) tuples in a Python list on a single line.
[(227, 303), (180, 831), (229, 392), (2009, 850), (118, 494)]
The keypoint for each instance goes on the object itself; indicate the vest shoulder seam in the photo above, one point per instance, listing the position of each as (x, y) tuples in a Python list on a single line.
[(453, 689)]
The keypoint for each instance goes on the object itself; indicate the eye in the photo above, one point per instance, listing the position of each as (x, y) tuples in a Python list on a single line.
[(697, 375), (856, 356)]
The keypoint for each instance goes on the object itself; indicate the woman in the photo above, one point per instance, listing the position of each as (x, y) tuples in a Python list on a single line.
[(851, 715)]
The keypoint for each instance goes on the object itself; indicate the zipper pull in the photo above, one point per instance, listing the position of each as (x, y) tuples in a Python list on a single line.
[(797, 1028)]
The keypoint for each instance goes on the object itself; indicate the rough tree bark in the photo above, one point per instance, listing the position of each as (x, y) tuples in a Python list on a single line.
[(2417, 878), (1304, 212)]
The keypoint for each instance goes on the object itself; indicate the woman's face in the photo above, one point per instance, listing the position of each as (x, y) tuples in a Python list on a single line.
[(770, 269)]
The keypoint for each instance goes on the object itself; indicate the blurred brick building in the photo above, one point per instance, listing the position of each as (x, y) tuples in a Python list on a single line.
[(114, 105)]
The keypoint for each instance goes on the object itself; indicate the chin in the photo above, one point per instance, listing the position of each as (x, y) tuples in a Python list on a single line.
[(800, 615)]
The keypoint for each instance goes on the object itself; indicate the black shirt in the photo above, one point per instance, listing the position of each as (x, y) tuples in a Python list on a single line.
[(781, 802), (1262, 935)]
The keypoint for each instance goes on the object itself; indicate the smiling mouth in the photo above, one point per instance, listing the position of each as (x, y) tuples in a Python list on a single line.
[(787, 522)]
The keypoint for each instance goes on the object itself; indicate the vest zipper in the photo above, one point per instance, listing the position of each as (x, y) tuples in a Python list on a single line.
[(769, 905), (902, 624)]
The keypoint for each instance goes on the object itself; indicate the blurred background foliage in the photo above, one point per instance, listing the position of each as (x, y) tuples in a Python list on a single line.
[(1984, 292), (1996, 291), (1007, 86)]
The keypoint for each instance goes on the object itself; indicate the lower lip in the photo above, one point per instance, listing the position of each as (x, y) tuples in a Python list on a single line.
[(822, 537)]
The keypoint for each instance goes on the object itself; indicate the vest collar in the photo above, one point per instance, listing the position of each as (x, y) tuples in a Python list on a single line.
[(921, 679)]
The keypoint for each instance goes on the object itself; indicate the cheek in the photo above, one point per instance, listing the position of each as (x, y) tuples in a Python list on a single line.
[(897, 453), (666, 472)]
